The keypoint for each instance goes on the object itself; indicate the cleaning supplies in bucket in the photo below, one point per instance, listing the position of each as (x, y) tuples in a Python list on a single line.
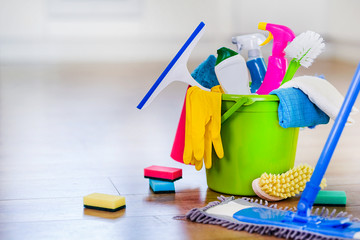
[(255, 62), (277, 63), (232, 72)]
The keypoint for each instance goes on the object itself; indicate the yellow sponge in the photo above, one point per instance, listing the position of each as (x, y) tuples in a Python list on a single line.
[(105, 202), (274, 187)]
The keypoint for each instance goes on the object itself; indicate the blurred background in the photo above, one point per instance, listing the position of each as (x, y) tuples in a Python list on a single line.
[(71, 75), (55, 31), (73, 71)]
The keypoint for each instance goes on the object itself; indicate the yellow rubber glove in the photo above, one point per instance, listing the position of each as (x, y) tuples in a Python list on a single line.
[(217, 89), (202, 128)]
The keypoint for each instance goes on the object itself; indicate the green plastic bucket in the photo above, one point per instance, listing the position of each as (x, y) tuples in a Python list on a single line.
[(253, 142)]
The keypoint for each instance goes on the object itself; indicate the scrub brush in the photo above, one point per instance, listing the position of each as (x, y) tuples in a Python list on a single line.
[(276, 187), (303, 49)]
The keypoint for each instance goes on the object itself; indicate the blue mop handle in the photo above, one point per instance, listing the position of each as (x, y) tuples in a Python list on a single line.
[(312, 187)]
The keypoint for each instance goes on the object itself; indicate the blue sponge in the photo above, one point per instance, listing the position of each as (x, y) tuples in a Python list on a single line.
[(159, 186), (205, 73)]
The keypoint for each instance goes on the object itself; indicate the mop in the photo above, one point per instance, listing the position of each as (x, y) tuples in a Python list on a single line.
[(177, 69), (247, 215)]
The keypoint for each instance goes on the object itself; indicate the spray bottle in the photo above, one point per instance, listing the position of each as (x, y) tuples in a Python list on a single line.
[(255, 62), (277, 63), (231, 71)]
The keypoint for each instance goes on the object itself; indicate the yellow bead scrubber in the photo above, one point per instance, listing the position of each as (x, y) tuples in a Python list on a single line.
[(276, 187)]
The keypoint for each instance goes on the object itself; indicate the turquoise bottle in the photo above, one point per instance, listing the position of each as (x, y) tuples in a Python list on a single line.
[(257, 69)]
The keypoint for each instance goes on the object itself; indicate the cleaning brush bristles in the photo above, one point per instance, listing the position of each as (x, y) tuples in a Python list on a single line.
[(306, 47), (303, 49), (275, 187)]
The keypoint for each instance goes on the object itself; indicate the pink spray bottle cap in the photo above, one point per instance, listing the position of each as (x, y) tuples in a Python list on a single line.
[(281, 35), (277, 63)]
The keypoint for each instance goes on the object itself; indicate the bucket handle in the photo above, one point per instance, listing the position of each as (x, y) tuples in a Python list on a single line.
[(239, 102)]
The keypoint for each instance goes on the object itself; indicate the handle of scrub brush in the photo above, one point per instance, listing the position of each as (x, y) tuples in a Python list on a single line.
[(312, 187), (233, 108), (290, 72)]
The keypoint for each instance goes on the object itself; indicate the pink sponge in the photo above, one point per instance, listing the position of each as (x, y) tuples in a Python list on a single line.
[(163, 173)]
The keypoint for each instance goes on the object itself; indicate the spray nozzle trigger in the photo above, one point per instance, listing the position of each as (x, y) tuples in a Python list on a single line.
[(262, 26), (269, 38)]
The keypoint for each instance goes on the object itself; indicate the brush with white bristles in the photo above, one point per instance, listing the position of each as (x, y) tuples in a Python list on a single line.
[(303, 49)]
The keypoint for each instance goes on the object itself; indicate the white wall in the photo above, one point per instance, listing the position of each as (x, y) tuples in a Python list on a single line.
[(343, 29), (143, 30)]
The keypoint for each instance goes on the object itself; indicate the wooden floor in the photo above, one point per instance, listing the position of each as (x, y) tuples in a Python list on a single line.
[(68, 130)]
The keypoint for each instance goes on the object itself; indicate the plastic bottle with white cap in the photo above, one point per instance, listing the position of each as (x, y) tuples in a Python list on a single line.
[(232, 73)]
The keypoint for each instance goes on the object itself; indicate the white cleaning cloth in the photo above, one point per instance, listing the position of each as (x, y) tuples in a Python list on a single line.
[(321, 93)]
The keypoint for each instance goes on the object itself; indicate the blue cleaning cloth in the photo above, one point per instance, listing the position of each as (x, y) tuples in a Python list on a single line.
[(296, 110), (205, 73)]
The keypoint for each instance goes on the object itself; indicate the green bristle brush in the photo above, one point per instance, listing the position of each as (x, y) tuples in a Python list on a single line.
[(303, 49)]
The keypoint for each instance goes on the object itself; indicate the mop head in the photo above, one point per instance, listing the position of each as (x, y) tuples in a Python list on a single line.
[(305, 48), (224, 213), (205, 73), (275, 187)]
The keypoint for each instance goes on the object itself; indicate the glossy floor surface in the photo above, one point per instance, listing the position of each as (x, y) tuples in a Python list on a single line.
[(68, 130)]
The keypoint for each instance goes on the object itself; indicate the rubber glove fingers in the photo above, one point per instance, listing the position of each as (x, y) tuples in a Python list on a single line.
[(197, 134), (194, 126), (198, 164), (215, 138), (188, 156), (193, 160), (214, 127), (203, 126), (217, 89), (218, 147), (199, 118), (215, 132), (208, 149)]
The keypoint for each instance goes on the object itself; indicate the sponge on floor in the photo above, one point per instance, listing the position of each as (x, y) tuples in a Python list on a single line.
[(159, 186), (331, 198), (163, 173), (104, 202)]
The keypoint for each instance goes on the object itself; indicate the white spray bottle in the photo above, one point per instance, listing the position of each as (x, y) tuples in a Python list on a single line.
[(232, 72), (255, 62)]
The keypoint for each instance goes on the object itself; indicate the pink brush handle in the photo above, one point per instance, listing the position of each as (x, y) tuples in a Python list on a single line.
[(275, 73), (177, 151)]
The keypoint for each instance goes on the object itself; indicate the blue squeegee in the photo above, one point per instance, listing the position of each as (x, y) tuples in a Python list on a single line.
[(176, 70)]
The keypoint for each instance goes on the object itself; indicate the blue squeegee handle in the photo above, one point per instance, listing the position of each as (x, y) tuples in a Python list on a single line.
[(171, 64), (312, 187)]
